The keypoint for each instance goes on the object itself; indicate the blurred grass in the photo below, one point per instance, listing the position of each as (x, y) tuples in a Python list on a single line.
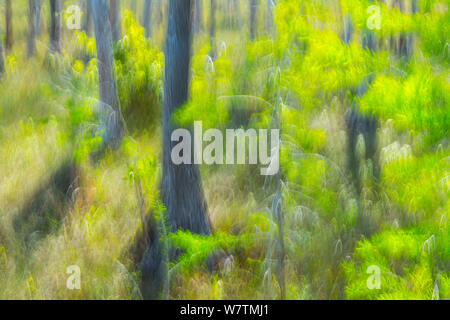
[(47, 116)]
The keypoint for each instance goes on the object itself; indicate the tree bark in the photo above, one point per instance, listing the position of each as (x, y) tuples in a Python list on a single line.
[(182, 191), (31, 46), (253, 5), (147, 18), (9, 26), (106, 73), (114, 18), (55, 26)]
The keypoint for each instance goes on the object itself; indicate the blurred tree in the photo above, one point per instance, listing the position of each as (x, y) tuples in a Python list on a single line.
[(114, 18), (2, 56), (182, 191), (212, 28), (358, 123), (31, 46), (9, 26), (55, 26), (159, 12), (198, 16), (269, 18), (37, 27), (147, 18), (253, 5), (87, 17), (133, 7), (237, 13), (106, 73)]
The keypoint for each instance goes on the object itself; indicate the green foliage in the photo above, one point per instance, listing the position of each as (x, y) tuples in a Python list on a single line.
[(400, 180), (196, 248), (418, 103), (408, 263), (139, 67), (210, 80)]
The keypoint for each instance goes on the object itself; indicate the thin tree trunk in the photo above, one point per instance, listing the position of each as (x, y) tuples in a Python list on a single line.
[(159, 12), (147, 18), (253, 5), (212, 27), (31, 46), (133, 7), (269, 21), (106, 72), (9, 26), (55, 26), (198, 16), (37, 27), (114, 18), (87, 17), (237, 13), (2, 56), (182, 191)]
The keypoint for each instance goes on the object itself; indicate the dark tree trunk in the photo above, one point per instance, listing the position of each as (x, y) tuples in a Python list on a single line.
[(9, 26), (87, 17), (253, 5), (55, 26), (212, 27), (114, 18), (37, 28), (106, 73), (147, 18), (347, 31), (31, 46), (182, 191), (2, 56)]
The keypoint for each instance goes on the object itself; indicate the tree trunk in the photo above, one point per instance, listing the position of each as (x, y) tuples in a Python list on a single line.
[(159, 12), (2, 56), (269, 19), (37, 27), (253, 5), (133, 7), (114, 18), (87, 17), (31, 46), (198, 16), (182, 191), (147, 18), (9, 26), (55, 26), (106, 73), (237, 13), (212, 27)]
